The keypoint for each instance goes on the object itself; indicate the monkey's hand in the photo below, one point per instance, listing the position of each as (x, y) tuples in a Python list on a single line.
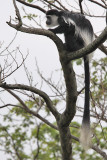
[(60, 29), (52, 30)]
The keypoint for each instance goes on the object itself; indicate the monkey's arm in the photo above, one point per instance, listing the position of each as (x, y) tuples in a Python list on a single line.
[(59, 29), (63, 27)]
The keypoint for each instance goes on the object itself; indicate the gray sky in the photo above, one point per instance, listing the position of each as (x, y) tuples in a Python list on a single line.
[(39, 47)]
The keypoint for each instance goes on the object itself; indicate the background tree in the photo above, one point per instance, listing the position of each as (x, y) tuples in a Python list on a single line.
[(56, 140)]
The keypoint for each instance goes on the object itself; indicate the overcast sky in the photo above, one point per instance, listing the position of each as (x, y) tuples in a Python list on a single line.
[(39, 47)]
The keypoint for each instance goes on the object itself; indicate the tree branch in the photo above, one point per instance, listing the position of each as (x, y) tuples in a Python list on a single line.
[(38, 147), (6, 105), (80, 4), (71, 94), (32, 5), (51, 4), (98, 3), (19, 27), (95, 148), (60, 3), (14, 145), (34, 90), (43, 32), (90, 48), (17, 14), (102, 47), (30, 111), (98, 150)]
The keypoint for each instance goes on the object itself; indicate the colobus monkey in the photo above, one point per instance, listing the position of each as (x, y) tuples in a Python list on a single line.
[(78, 33)]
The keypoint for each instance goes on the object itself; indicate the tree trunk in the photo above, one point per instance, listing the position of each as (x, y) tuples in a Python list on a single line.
[(66, 144)]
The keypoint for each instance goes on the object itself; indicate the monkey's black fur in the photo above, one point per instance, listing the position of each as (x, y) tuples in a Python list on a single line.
[(78, 33), (71, 24)]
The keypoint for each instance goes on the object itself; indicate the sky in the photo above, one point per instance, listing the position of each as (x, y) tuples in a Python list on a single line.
[(40, 48)]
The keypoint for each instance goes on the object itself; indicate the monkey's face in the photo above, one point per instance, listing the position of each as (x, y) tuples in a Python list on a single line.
[(52, 21)]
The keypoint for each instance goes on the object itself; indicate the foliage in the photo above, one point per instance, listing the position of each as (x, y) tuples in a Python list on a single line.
[(30, 1), (30, 16), (30, 138)]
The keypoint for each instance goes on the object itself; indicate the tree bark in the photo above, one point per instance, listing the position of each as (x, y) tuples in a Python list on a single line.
[(66, 144), (70, 110)]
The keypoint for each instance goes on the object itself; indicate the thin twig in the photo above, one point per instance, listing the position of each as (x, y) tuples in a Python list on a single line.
[(80, 4), (32, 5), (98, 3), (18, 15), (30, 111)]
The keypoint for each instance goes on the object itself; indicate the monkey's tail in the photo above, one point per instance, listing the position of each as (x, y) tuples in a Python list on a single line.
[(85, 133)]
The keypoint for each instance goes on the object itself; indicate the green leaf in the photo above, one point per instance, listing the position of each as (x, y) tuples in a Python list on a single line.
[(30, 1), (79, 61)]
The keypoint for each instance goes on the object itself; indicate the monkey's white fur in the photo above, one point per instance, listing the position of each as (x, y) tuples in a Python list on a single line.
[(54, 21), (85, 137)]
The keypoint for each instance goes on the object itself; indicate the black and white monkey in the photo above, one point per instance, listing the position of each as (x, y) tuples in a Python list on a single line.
[(78, 33)]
